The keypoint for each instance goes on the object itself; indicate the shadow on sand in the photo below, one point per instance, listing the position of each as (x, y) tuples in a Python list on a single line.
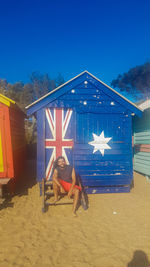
[(26, 180), (6, 203), (140, 259)]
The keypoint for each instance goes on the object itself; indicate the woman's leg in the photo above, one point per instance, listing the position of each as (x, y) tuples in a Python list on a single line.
[(75, 200), (56, 190)]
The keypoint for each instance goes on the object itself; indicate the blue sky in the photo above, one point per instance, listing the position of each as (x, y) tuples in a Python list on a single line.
[(106, 37)]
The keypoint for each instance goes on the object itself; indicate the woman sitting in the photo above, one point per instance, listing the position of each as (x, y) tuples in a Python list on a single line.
[(64, 180)]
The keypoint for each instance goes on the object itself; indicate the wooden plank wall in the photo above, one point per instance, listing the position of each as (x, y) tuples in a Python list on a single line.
[(17, 130), (96, 111), (115, 167), (142, 143), (88, 98), (6, 143)]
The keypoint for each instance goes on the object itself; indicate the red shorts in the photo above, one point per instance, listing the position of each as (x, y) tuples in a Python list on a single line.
[(67, 185)]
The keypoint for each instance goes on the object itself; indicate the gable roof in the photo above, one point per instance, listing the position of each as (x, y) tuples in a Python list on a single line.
[(11, 103), (84, 76), (6, 101)]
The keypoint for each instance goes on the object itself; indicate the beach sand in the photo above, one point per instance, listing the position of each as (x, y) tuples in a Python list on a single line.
[(113, 232)]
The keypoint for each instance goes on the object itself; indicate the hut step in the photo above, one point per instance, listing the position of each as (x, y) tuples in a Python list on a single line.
[(49, 193), (48, 183)]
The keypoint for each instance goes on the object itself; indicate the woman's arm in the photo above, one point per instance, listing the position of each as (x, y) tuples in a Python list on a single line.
[(55, 179)]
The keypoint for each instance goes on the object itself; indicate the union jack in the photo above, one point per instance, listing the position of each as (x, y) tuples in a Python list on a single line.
[(58, 125)]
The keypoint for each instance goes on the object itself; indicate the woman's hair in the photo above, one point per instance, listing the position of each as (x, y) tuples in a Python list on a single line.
[(55, 165)]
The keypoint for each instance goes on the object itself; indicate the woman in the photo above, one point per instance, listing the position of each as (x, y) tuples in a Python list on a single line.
[(64, 180)]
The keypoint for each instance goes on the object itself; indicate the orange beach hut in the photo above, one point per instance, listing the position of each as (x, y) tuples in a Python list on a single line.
[(12, 142)]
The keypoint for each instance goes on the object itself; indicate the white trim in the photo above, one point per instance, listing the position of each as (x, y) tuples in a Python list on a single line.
[(65, 121), (53, 156), (52, 122), (75, 78), (145, 104)]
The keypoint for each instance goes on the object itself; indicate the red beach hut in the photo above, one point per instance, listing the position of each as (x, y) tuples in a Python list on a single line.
[(12, 142)]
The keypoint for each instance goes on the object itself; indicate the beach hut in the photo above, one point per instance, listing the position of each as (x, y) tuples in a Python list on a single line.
[(12, 142), (90, 124), (142, 140)]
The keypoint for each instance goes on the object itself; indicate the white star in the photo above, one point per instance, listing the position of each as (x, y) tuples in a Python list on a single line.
[(100, 143)]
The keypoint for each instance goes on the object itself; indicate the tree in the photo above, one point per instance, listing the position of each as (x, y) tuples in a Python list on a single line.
[(3, 86), (39, 86), (59, 80), (14, 91), (42, 84), (135, 82), (25, 94)]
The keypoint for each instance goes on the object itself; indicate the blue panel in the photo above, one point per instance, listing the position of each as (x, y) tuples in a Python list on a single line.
[(97, 170), (40, 145), (64, 88), (115, 96), (89, 162), (120, 157), (96, 100), (80, 106), (107, 180), (115, 166), (116, 126), (104, 190), (79, 81)]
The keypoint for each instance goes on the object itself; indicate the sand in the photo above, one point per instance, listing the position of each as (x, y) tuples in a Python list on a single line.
[(113, 232)]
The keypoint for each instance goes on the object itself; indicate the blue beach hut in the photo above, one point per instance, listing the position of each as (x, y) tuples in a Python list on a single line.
[(90, 124)]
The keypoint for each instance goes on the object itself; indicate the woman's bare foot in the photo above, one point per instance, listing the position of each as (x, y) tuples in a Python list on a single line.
[(55, 200)]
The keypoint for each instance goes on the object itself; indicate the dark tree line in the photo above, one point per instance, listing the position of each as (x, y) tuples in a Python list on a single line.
[(26, 93), (135, 82)]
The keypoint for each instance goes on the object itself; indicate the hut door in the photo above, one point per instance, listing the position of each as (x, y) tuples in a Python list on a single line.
[(3, 172), (59, 136)]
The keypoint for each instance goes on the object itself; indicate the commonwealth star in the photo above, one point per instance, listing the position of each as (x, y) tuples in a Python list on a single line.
[(100, 143)]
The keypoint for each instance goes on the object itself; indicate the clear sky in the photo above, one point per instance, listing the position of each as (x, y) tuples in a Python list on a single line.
[(106, 37)]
